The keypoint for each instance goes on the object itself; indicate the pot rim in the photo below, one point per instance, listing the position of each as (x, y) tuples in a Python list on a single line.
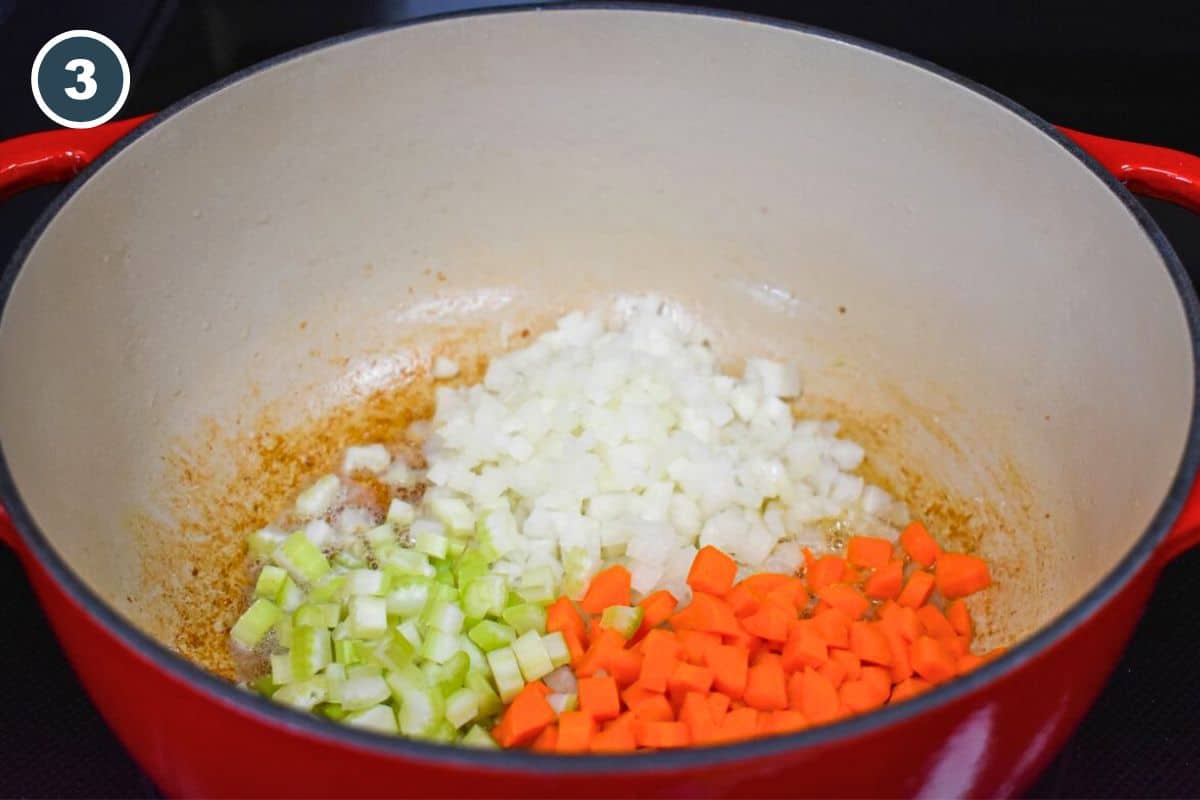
[(329, 733)]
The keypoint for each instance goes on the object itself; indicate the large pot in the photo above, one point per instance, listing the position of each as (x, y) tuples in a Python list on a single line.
[(952, 272)]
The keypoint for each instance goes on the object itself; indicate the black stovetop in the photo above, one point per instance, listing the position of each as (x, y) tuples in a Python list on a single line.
[(1109, 68)]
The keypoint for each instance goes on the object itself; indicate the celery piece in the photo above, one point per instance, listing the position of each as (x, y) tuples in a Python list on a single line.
[(310, 651), (532, 657), (538, 586), (455, 548), (497, 534), (263, 685), (409, 630), (408, 596), (327, 588), (439, 646), (347, 560), (335, 678), (317, 615), (406, 561), (506, 672), (262, 543), (381, 719), (489, 702), (445, 617), (303, 560), (394, 652), (381, 537), (431, 544), (283, 632), (526, 617), (443, 573), (471, 566), (462, 707), (480, 738), (363, 691), (421, 706), (556, 647), (331, 711), (625, 620), (290, 596), (367, 617), (454, 514), (364, 671), (474, 654), (318, 498), (256, 622), (270, 581), (281, 669), (484, 596), (301, 694), (490, 635), (443, 732), (345, 652), (366, 582), (447, 677)]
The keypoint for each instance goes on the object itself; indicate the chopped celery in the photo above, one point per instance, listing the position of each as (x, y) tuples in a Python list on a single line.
[(538, 586), (443, 731), (345, 651), (421, 707), (303, 560), (335, 677), (363, 691), (439, 646), (394, 652), (526, 617), (532, 657), (556, 647), (579, 565), (625, 620), (431, 544), (381, 719), (381, 537), (455, 548), (484, 596), (331, 711), (290, 595), (444, 617), (348, 560), (317, 615), (270, 581), (366, 582), (301, 694), (405, 561), (443, 573), (454, 514), (497, 534), (462, 707), (478, 737), (310, 651), (489, 702), (281, 669), (326, 589), (263, 542), (367, 617), (471, 566), (283, 632), (506, 672), (409, 630), (256, 622), (263, 684), (316, 499), (449, 676), (408, 596), (491, 635), (474, 654), (364, 670)]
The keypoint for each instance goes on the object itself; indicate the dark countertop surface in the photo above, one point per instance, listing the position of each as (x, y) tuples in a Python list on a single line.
[(1109, 68)]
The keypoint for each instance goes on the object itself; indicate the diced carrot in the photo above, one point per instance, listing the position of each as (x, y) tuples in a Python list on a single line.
[(868, 551), (712, 572), (786, 721), (762, 655), (658, 663), (845, 598), (901, 668), (834, 670), (576, 729), (526, 716), (610, 587), (604, 643), (654, 708), (718, 702), (690, 678), (730, 666), (804, 648), (849, 661), (902, 619), (624, 665), (960, 618), (919, 545), (859, 696), (956, 646), (741, 723), (869, 644), (826, 570), (707, 612), (538, 686), (598, 697), (659, 639), (790, 593), (761, 583), (656, 609), (574, 646), (916, 592), (959, 575), (593, 629), (746, 641), (770, 622), (886, 581), (879, 679), (931, 660), (617, 736), (967, 662), (562, 616), (909, 688), (636, 694), (766, 686), (546, 741), (698, 716), (694, 644), (662, 735), (834, 627), (994, 653), (934, 622), (742, 600), (818, 699)]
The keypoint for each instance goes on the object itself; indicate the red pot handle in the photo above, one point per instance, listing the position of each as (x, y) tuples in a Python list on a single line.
[(55, 156), (59, 155)]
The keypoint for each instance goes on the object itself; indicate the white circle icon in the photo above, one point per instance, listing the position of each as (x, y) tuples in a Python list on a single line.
[(80, 79)]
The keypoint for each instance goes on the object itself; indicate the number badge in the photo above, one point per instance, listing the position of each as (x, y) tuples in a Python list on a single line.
[(80, 79)]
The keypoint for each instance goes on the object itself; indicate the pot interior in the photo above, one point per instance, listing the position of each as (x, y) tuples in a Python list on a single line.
[(260, 279)]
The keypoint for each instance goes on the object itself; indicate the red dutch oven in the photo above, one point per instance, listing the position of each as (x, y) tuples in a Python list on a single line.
[(270, 251)]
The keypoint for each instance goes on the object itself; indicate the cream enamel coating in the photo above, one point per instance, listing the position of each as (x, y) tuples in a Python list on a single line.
[(277, 245)]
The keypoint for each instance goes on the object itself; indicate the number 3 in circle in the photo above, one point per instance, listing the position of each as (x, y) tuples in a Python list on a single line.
[(84, 70)]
